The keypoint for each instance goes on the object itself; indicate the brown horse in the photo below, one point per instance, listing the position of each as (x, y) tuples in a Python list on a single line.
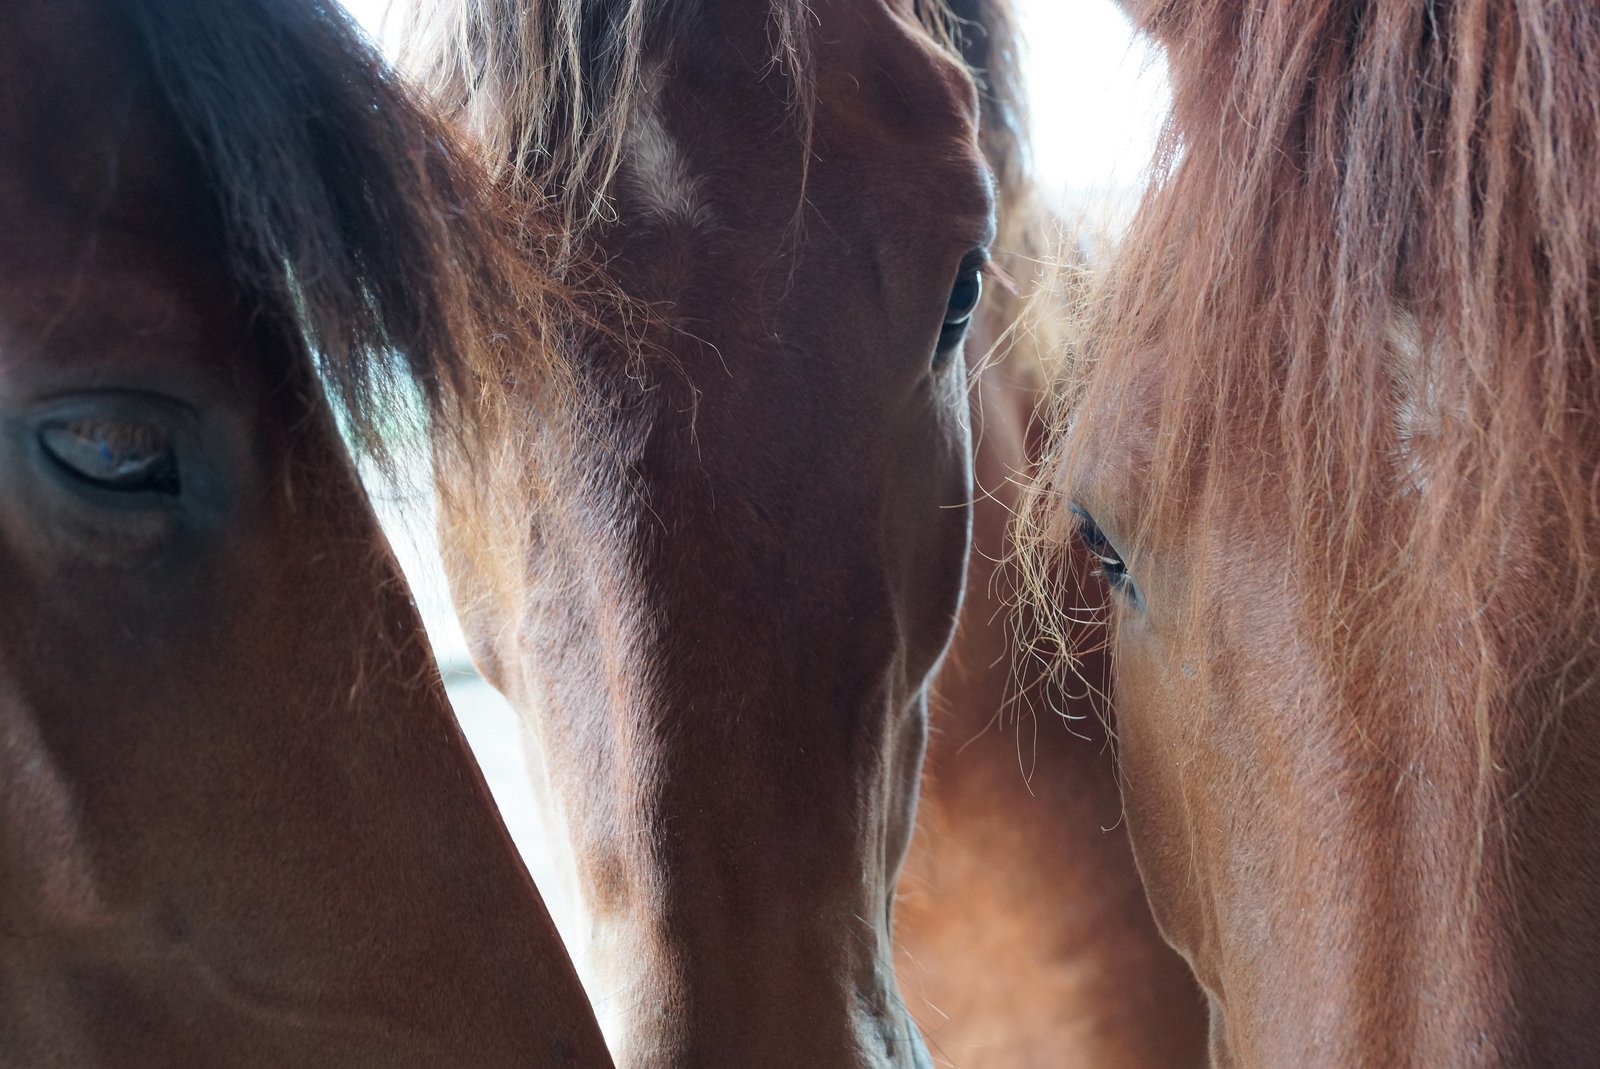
[(238, 824), (1023, 933), (717, 590), (1335, 438)]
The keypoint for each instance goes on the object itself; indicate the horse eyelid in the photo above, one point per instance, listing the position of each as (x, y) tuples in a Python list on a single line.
[(82, 451), (1099, 546)]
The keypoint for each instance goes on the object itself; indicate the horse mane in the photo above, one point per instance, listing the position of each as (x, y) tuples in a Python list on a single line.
[(580, 68), (347, 211), (1371, 248), (550, 89)]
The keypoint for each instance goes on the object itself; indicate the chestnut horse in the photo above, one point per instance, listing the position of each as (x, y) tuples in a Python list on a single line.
[(1335, 439), (238, 823), (718, 589), (1024, 937)]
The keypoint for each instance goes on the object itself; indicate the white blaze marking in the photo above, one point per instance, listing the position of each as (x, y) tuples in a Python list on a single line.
[(657, 171), (1418, 412)]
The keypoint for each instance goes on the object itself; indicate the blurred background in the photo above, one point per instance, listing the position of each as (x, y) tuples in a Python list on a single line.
[(1097, 97)]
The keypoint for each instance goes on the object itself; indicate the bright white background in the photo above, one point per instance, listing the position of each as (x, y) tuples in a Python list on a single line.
[(1096, 91)]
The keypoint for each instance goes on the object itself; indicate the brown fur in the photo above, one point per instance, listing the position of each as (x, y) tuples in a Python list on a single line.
[(238, 823), (721, 629), (1337, 407), (1023, 933)]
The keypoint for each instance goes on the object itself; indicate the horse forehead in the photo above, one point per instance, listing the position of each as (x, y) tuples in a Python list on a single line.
[(889, 118), (84, 271), (123, 305), (85, 127), (86, 303), (1111, 437), (107, 249), (882, 79)]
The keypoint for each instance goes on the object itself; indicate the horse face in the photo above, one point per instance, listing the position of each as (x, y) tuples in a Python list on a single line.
[(1341, 482), (211, 678), (1210, 691), (1351, 877), (727, 620)]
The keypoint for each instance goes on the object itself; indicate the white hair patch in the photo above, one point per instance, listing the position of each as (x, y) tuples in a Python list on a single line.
[(657, 172)]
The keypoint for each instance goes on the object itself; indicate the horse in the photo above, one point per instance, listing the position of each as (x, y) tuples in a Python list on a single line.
[(1331, 432), (239, 825), (1023, 936), (717, 588)]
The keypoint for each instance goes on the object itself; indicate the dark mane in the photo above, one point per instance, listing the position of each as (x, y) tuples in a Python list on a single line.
[(347, 210)]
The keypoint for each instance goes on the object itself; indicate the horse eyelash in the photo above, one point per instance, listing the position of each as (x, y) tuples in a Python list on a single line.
[(1099, 546), (993, 272)]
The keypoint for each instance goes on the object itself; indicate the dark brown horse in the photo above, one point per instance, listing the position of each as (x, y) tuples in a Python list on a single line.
[(1335, 437), (1024, 937), (719, 588), (238, 824)]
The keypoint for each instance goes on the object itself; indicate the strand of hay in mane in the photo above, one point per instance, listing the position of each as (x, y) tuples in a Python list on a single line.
[(351, 215)]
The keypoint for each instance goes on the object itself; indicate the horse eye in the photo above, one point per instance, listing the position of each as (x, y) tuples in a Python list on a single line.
[(958, 310), (115, 455), (1105, 554), (964, 297)]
